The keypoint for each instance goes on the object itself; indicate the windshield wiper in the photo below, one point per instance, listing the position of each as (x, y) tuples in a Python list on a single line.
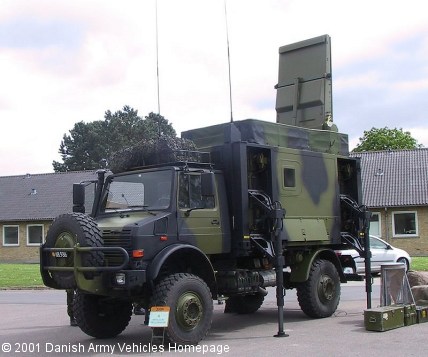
[(144, 207), (187, 213)]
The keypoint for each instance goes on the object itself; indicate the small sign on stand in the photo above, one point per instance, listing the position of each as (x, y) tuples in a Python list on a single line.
[(158, 321)]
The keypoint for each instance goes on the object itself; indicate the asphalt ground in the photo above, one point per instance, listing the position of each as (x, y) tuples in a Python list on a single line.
[(35, 322)]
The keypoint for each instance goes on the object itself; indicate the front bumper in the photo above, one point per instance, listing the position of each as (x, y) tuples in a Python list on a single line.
[(97, 280), (132, 279)]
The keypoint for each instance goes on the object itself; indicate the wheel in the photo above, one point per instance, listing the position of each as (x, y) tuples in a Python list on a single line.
[(191, 306), (404, 261), (100, 316), (65, 232), (319, 296), (244, 304)]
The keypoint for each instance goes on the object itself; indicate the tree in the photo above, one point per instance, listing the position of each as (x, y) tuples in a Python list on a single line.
[(386, 139), (89, 146), (83, 149)]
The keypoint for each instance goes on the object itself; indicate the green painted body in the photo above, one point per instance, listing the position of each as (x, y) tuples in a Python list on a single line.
[(214, 218), (304, 89), (270, 134), (305, 170)]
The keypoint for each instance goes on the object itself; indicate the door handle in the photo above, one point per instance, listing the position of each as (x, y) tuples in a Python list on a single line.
[(215, 222)]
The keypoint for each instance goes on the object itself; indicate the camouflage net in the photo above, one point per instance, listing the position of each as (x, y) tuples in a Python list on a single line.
[(152, 152), (417, 278), (418, 281)]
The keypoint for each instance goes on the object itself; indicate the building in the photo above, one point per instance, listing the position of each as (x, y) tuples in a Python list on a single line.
[(28, 205), (395, 188)]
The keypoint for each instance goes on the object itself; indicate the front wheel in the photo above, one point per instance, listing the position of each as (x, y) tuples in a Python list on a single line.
[(319, 296), (190, 301), (100, 316)]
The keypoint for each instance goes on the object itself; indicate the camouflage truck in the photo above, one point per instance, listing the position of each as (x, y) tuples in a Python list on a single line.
[(184, 233)]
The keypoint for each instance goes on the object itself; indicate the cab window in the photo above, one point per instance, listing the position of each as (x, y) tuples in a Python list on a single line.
[(190, 192)]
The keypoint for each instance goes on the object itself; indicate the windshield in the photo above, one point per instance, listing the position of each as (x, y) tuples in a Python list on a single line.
[(143, 190)]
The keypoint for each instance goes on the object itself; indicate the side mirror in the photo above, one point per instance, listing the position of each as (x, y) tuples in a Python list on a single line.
[(78, 198), (207, 184)]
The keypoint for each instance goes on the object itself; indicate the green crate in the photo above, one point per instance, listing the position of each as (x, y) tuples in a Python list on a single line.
[(384, 318), (410, 315)]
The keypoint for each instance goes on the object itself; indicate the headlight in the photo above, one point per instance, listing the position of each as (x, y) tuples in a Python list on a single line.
[(120, 279)]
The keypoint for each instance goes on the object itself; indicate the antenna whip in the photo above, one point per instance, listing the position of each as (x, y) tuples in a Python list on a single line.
[(228, 63), (157, 56)]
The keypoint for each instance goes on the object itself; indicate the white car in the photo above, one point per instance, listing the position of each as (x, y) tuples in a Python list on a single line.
[(382, 252)]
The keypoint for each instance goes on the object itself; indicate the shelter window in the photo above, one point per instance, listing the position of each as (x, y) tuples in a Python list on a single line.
[(289, 177)]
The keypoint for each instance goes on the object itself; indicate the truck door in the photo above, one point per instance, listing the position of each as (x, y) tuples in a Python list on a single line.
[(199, 221)]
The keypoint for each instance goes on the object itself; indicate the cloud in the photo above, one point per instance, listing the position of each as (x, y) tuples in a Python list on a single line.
[(63, 62), (30, 33), (385, 88), (420, 134)]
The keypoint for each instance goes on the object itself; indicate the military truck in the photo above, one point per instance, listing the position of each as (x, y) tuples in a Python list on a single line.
[(181, 234)]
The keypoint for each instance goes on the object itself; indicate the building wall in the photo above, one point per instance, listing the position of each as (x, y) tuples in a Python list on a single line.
[(415, 245), (23, 253)]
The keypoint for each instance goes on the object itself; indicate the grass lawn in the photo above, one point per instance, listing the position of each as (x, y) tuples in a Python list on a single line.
[(20, 276), (28, 275), (419, 263)]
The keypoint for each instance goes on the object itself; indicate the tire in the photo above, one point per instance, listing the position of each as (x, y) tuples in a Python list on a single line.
[(99, 316), (319, 296), (404, 261), (65, 232), (191, 305), (244, 304)]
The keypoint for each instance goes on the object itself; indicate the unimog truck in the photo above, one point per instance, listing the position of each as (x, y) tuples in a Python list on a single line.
[(183, 233)]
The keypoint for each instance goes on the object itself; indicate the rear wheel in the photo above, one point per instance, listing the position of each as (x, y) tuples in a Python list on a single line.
[(65, 232), (191, 306), (100, 316), (319, 296)]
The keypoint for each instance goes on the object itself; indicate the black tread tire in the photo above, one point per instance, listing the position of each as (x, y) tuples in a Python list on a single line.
[(99, 316), (67, 230), (170, 291), (244, 304), (319, 296)]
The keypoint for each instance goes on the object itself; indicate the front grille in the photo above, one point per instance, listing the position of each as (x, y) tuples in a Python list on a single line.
[(114, 238)]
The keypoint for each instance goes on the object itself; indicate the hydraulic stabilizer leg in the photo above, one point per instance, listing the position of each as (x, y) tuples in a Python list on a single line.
[(278, 214), (280, 292)]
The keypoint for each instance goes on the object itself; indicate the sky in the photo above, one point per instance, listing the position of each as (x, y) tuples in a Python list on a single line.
[(62, 62)]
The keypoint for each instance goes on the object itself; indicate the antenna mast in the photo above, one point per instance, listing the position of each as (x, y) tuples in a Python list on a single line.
[(157, 56), (228, 63)]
